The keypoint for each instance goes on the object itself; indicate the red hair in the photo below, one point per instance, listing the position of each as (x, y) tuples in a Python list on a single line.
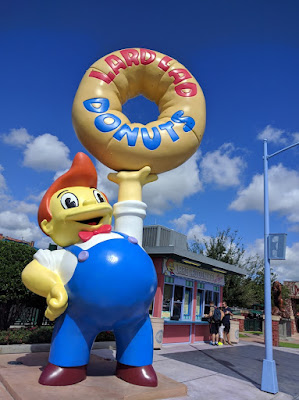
[(81, 173)]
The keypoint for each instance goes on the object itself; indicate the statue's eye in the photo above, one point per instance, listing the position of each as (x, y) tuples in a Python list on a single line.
[(99, 197), (69, 200)]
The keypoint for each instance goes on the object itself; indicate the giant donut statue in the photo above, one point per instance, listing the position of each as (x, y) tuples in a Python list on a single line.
[(108, 134)]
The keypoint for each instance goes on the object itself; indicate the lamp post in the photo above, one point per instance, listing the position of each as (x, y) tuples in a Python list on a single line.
[(269, 376)]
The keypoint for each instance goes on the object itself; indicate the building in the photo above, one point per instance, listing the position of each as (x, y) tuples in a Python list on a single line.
[(292, 304), (187, 282), (9, 239)]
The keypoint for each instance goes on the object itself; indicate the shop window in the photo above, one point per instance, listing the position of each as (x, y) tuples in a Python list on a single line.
[(199, 303), (167, 301), (150, 311), (216, 298), (177, 301), (208, 299), (188, 303)]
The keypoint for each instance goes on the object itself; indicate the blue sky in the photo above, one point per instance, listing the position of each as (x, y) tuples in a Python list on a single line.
[(245, 56)]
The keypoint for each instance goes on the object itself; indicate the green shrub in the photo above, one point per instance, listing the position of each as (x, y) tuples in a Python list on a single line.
[(41, 334)]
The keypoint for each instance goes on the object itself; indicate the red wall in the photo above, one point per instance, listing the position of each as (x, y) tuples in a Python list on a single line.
[(176, 334), (202, 333)]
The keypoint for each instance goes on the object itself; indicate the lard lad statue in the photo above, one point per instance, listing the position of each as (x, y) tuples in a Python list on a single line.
[(100, 280)]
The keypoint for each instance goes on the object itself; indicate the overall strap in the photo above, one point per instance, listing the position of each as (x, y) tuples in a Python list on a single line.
[(76, 250)]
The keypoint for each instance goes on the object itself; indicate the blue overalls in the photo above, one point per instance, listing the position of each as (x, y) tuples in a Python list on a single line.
[(111, 289)]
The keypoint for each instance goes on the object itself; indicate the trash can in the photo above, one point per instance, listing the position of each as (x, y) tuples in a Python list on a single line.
[(234, 331), (158, 329)]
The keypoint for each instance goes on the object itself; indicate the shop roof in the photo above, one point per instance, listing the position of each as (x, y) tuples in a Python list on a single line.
[(159, 240)]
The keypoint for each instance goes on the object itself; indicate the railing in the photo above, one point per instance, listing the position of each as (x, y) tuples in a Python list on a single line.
[(29, 317)]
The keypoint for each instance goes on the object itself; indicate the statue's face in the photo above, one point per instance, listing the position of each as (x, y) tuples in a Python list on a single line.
[(76, 209)]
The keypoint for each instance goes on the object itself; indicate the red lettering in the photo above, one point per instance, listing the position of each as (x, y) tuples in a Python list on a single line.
[(144, 53), (115, 63), (101, 76), (163, 64), (179, 75), (187, 89), (130, 56)]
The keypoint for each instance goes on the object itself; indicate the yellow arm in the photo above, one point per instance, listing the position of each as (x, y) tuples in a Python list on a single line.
[(131, 183), (46, 283)]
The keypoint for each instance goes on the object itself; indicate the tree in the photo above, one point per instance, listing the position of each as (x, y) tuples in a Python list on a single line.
[(14, 296), (241, 291)]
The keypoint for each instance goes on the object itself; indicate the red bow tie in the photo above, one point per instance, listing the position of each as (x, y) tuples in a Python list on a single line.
[(86, 235)]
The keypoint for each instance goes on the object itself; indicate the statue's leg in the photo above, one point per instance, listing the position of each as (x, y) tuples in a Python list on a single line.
[(69, 353), (134, 342)]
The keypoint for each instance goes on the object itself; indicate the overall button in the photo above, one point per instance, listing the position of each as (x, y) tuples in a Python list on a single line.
[(83, 256), (133, 240)]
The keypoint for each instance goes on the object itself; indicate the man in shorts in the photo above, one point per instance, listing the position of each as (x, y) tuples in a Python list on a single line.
[(226, 322), (214, 325)]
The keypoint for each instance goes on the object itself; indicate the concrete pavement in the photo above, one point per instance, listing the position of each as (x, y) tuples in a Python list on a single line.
[(209, 372)]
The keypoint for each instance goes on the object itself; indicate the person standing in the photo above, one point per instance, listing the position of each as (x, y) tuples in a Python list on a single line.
[(215, 315), (226, 322)]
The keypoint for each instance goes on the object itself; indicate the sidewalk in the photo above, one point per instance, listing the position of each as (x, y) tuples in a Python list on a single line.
[(208, 372), (251, 337)]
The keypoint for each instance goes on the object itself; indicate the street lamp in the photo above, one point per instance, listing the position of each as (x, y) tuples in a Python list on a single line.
[(269, 376)]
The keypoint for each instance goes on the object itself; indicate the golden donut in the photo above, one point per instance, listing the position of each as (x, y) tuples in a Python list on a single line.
[(108, 134)]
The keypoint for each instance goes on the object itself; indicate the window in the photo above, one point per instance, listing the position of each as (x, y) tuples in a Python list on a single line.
[(216, 298), (167, 301), (199, 301), (150, 311), (188, 303), (208, 299), (177, 301)]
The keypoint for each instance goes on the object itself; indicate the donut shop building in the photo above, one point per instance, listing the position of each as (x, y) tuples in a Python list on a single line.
[(187, 282)]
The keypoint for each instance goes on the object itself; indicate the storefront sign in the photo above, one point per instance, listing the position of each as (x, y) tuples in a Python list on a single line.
[(173, 268)]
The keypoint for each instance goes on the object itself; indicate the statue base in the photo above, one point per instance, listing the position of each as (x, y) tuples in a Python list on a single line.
[(100, 384)]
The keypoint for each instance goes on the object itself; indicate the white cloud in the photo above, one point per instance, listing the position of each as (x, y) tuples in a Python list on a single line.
[(11, 220), (18, 226), (2, 179), (283, 193), (104, 185), (221, 168), (183, 221), (288, 269), (17, 137), (37, 198), (197, 233), (43, 242), (173, 187), (46, 152), (163, 193), (278, 136), (284, 269), (273, 135)]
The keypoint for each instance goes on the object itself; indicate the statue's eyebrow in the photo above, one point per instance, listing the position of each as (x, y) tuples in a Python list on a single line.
[(61, 193)]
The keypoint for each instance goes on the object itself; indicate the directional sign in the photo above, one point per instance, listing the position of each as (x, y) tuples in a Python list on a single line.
[(277, 246)]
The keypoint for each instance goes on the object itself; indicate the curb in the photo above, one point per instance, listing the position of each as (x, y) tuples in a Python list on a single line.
[(45, 347)]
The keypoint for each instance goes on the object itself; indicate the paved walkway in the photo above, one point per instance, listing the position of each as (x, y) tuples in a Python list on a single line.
[(226, 372), (209, 372), (256, 338)]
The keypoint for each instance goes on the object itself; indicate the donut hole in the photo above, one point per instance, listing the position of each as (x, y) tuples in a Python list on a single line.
[(140, 109)]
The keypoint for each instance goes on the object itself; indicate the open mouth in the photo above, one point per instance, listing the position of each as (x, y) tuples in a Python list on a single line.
[(92, 221)]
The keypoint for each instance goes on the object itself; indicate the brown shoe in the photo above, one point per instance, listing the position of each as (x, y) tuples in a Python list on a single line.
[(230, 343), (141, 376), (54, 375)]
